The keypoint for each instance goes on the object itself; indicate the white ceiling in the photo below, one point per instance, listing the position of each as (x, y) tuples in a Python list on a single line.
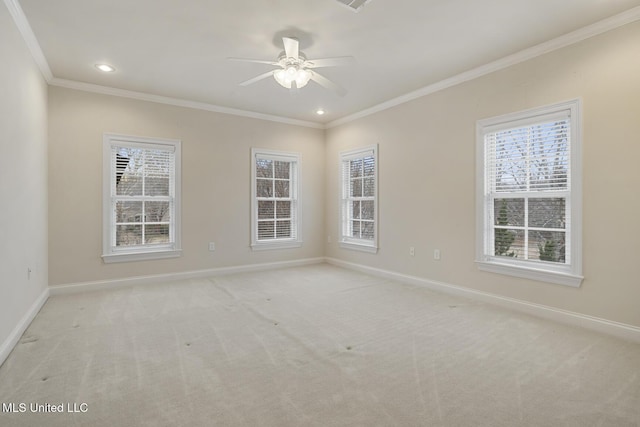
[(178, 48)]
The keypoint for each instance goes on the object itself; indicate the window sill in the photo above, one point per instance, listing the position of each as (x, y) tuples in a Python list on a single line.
[(541, 275), (274, 244), (359, 247), (141, 256)]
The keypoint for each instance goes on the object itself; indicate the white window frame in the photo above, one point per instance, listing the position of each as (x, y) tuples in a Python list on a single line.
[(345, 203), (295, 196), (569, 274), (111, 253)]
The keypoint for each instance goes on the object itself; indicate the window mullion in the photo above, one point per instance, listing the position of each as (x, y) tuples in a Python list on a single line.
[(114, 221), (559, 230), (143, 220), (567, 226), (526, 225), (528, 161)]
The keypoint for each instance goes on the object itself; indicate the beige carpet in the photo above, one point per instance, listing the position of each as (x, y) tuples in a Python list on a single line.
[(311, 346)]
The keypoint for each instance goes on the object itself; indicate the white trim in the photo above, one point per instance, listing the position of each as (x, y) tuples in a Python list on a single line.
[(141, 96), (617, 329), (559, 278), (565, 40), (172, 250), (144, 142), (356, 153), (29, 38), (346, 242), (265, 245), (140, 256), (295, 189), (561, 274), (372, 249), (563, 109), (14, 337), (74, 288)]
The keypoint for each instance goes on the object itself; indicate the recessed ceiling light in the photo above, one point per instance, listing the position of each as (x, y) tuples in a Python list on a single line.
[(320, 111), (105, 67)]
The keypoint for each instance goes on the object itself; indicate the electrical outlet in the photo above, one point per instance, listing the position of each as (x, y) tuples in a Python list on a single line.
[(412, 251), (212, 246), (436, 254)]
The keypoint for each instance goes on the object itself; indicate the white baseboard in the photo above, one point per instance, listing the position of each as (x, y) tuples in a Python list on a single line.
[(620, 330), (7, 346), (73, 288)]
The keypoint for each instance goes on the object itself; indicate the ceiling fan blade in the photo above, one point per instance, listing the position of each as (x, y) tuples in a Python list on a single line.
[(330, 62), (291, 47), (257, 78), (328, 84), (258, 61)]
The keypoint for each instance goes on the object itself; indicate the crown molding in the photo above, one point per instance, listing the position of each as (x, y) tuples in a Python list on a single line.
[(30, 39), (565, 40), (608, 24), (141, 96)]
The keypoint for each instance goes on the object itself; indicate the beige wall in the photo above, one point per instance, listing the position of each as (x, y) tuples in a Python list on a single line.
[(427, 175), (427, 178), (215, 184), (23, 180)]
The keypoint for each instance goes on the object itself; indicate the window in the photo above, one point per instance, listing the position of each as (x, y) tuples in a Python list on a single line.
[(141, 182), (529, 195), (359, 201), (275, 202)]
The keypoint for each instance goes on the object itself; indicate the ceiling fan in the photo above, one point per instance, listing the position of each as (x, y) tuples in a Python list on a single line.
[(296, 70)]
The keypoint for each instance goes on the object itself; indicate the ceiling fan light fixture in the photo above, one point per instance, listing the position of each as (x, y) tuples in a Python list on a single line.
[(303, 78), (281, 78), (295, 70), (288, 75)]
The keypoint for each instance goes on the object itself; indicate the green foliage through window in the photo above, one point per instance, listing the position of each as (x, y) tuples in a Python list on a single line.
[(503, 238)]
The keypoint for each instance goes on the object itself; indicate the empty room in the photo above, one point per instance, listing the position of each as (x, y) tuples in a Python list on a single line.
[(319, 213)]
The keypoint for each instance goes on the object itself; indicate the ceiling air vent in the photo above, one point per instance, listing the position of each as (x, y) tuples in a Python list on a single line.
[(354, 5)]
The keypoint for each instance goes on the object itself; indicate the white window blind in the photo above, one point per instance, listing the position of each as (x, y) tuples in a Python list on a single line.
[(359, 199), (275, 201), (528, 170), (528, 202), (141, 200)]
